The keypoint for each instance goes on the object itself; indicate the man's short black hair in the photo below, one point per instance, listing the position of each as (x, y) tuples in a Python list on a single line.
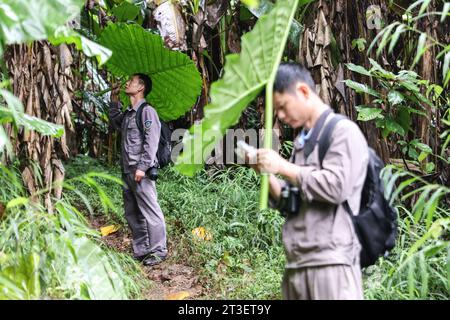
[(289, 74), (146, 81)]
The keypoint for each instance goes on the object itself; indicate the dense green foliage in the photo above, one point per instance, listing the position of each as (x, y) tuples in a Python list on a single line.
[(398, 100), (419, 266), (52, 252), (57, 256), (244, 259)]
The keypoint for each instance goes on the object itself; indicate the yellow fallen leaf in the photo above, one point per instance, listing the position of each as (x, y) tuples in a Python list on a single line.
[(178, 296), (108, 230), (202, 234)]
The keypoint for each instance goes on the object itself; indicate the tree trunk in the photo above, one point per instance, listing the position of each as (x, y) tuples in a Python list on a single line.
[(42, 79), (327, 46)]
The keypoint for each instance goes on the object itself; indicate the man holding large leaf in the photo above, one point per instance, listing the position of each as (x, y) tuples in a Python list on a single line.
[(139, 150), (176, 84), (321, 244)]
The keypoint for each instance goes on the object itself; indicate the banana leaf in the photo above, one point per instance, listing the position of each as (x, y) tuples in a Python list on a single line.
[(176, 80), (25, 20)]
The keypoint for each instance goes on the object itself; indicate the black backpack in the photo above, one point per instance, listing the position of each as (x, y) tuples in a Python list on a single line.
[(164, 146), (376, 223)]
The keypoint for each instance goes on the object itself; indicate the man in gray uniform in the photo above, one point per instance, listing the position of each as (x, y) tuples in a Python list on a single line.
[(138, 154), (321, 246)]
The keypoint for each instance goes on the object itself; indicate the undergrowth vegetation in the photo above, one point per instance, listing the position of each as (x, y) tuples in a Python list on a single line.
[(241, 256), (57, 255), (214, 225), (239, 252)]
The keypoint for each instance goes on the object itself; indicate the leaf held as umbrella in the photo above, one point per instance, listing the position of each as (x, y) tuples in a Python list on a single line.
[(245, 76), (176, 80)]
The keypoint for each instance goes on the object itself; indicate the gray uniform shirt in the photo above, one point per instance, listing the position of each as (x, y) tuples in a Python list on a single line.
[(321, 234), (138, 151)]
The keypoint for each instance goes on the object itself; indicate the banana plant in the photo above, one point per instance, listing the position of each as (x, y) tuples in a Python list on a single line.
[(246, 75), (11, 111), (23, 20)]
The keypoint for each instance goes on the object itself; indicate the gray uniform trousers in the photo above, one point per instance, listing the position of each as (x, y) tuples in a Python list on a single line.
[(329, 282), (144, 216)]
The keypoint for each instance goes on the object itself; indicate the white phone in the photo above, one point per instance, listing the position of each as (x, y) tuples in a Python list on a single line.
[(243, 148)]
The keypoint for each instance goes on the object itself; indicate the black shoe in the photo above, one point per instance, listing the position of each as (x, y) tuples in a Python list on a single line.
[(153, 260), (142, 258)]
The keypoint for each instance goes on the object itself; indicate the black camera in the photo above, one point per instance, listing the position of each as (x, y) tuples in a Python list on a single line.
[(152, 173), (289, 202)]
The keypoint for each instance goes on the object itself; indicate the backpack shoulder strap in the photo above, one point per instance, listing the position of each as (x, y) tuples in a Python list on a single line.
[(324, 145), (311, 143), (139, 117), (325, 137)]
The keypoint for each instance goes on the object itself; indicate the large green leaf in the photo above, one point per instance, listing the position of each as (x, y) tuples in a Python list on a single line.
[(395, 97), (25, 20), (176, 80), (32, 123), (358, 69), (244, 77), (393, 126), (368, 113)]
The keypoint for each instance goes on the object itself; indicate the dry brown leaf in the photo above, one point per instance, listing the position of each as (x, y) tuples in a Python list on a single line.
[(2, 209), (171, 25), (106, 231), (65, 57), (58, 174), (27, 177), (178, 295), (202, 234)]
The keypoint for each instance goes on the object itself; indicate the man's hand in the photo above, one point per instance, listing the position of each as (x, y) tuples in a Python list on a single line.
[(139, 175), (115, 92), (269, 161)]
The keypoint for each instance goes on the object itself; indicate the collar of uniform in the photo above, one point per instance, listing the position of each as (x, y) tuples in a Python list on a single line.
[(302, 138), (137, 105)]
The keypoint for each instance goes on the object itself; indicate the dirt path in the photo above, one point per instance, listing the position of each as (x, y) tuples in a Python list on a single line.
[(171, 280)]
